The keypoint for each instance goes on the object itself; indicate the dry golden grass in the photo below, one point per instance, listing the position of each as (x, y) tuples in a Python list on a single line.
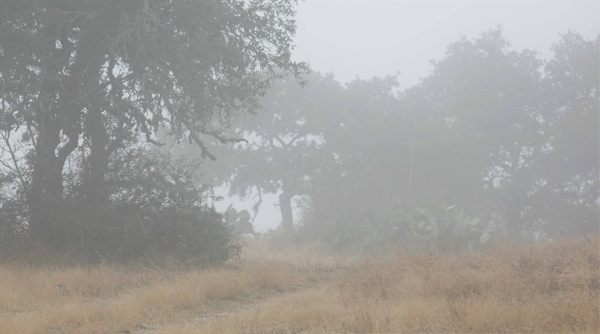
[(544, 288), (108, 298)]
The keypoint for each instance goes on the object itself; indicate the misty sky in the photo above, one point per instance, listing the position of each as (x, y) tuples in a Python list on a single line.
[(378, 38)]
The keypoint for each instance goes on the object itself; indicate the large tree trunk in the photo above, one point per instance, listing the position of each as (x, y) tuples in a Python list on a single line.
[(55, 115), (285, 203), (46, 192), (41, 192), (94, 187)]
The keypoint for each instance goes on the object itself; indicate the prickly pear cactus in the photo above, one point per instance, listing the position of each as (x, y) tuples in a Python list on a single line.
[(231, 215), (239, 220), (429, 227), (438, 227), (244, 225)]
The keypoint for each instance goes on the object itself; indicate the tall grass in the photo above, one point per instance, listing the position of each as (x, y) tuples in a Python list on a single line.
[(543, 288), (110, 297)]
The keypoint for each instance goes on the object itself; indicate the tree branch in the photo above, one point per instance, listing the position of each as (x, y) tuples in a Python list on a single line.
[(6, 137), (283, 144)]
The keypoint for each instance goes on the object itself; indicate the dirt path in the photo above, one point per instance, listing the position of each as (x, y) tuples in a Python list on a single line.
[(219, 309)]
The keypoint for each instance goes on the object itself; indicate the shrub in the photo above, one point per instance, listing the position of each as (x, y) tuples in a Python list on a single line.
[(149, 205), (428, 227), (155, 206)]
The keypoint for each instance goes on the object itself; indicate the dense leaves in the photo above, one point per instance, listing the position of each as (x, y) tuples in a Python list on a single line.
[(101, 75), (506, 137)]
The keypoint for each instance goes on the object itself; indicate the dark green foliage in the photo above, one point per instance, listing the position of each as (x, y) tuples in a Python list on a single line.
[(107, 73), (13, 217), (154, 207)]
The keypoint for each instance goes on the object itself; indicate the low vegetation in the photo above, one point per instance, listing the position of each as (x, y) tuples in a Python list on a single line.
[(544, 287)]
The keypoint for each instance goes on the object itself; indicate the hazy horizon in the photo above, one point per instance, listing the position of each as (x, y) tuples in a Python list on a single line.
[(379, 38)]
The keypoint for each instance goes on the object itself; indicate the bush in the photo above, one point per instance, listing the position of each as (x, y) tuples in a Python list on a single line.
[(13, 211), (148, 206), (428, 227), (155, 207)]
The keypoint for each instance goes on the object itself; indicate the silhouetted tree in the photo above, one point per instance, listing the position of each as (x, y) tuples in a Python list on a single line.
[(566, 195), (104, 72), (286, 144)]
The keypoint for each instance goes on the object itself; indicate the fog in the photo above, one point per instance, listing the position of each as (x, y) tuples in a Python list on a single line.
[(284, 166), (147, 128), (378, 38), (367, 39)]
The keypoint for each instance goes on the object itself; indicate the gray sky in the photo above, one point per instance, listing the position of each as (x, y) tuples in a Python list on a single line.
[(378, 38)]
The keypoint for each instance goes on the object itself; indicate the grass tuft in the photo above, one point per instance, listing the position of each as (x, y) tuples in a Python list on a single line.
[(541, 288)]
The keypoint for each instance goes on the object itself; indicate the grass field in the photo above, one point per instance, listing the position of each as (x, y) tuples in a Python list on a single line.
[(541, 288)]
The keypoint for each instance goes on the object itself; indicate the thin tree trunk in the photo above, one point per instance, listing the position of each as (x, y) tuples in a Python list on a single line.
[(98, 159), (285, 203)]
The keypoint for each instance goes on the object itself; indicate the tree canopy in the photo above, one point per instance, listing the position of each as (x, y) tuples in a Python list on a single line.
[(97, 75), (509, 138), (86, 86)]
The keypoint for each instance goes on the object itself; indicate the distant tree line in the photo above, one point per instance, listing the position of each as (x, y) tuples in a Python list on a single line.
[(492, 140), (84, 88), (501, 135)]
